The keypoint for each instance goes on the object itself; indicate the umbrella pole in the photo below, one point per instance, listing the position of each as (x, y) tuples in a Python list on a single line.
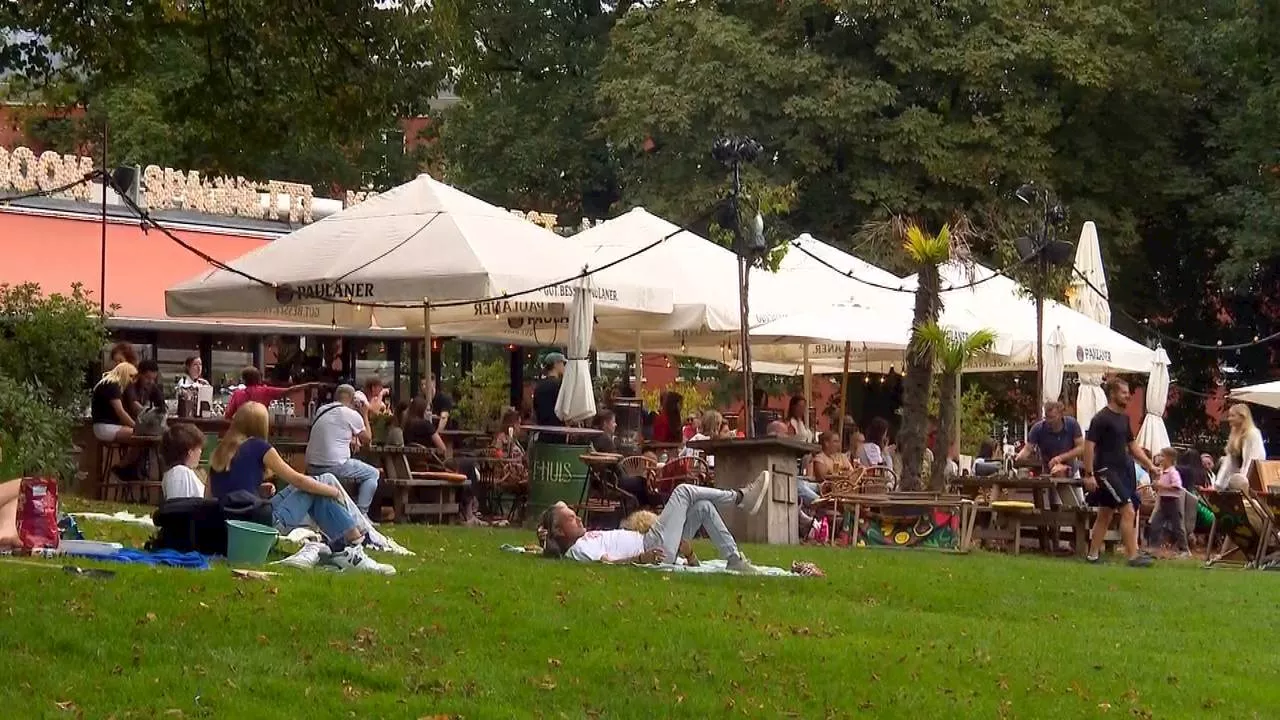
[(808, 384), (844, 392), (639, 368), (426, 336)]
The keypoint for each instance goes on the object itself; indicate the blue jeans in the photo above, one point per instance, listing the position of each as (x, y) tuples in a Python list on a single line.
[(689, 509), (291, 507), (357, 471), (806, 490)]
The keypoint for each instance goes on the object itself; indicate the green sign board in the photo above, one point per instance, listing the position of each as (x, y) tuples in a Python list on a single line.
[(556, 473)]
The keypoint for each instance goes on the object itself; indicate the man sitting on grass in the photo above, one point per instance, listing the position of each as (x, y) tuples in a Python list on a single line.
[(691, 508)]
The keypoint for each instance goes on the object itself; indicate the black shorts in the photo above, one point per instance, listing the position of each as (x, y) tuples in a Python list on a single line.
[(1125, 485)]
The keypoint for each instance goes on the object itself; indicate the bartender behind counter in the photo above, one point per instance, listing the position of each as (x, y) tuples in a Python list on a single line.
[(545, 394)]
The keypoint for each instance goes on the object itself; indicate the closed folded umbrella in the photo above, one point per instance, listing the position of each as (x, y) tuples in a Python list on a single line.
[(1153, 435), (577, 399), (1055, 348)]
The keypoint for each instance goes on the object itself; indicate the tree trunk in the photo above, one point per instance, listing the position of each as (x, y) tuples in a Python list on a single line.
[(947, 430), (915, 390)]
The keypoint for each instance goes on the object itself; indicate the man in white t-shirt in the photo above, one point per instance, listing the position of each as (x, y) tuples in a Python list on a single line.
[(690, 509), (337, 429)]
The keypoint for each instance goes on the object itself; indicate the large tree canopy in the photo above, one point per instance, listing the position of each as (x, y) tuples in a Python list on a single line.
[(260, 88)]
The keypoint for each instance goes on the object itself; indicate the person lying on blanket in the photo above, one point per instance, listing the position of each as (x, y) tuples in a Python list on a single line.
[(690, 509)]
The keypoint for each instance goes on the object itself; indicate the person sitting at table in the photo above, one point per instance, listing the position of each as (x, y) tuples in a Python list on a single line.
[(691, 508), (420, 429), (180, 451), (372, 401), (606, 421), (336, 430), (666, 428), (442, 404), (395, 427), (255, 390), (872, 453), (111, 419), (506, 441), (244, 459), (1057, 440), (1245, 447), (987, 462), (145, 393), (798, 419)]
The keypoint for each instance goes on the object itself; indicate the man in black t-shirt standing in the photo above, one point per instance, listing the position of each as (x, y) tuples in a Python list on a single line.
[(1109, 473), (547, 390)]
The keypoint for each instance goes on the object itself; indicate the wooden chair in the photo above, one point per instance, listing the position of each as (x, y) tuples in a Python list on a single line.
[(1271, 504), (602, 495), (503, 477), (421, 493), (686, 470), (641, 467), (114, 488), (1237, 518)]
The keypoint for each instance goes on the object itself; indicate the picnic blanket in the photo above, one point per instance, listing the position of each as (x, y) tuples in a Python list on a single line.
[(167, 558), (122, 516)]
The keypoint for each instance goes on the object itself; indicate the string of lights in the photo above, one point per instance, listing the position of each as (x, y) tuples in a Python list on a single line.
[(148, 220), (902, 289), (1180, 339)]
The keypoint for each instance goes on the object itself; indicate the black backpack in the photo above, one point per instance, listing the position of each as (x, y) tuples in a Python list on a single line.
[(190, 525)]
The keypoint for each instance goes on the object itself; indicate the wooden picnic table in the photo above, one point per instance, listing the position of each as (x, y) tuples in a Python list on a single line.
[(1056, 502), (907, 501)]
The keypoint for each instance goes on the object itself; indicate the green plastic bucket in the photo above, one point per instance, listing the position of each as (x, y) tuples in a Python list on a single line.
[(248, 543)]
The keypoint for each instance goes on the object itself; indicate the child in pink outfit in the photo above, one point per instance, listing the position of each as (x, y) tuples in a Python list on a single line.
[(1168, 515)]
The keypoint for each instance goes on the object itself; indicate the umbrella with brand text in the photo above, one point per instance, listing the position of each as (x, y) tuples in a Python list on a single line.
[(422, 243)]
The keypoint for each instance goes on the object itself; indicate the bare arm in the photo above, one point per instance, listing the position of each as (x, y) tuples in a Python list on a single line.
[(1072, 454), (441, 421), (1141, 456), (121, 415), (1089, 449), (281, 469)]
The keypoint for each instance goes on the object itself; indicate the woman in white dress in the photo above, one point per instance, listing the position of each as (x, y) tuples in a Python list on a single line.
[(1244, 448)]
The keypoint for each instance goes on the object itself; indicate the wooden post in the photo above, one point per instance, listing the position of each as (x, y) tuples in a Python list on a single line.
[(808, 388), (844, 391)]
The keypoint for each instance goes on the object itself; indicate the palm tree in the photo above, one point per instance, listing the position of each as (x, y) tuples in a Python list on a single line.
[(950, 353), (927, 254)]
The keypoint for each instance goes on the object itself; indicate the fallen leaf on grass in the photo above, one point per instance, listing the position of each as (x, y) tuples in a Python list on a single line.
[(553, 662), (149, 617), (547, 683), (1104, 706), (67, 705), (174, 712)]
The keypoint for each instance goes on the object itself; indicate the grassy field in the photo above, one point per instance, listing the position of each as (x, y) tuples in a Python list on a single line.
[(466, 630)]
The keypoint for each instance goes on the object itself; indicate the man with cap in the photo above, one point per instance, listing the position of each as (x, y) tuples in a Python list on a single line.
[(547, 390)]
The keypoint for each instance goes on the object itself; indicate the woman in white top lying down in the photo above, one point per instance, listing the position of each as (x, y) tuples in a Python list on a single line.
[(691, 508)]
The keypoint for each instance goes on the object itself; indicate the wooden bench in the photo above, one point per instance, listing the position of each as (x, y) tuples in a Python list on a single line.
[(419, 493)]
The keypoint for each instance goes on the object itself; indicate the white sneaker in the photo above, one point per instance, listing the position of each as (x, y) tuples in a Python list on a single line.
[(740, 564), (353, 558), (753, 495), (308, 557)]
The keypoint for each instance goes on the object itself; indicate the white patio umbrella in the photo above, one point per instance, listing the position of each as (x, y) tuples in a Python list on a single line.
[(1089, 302), (423, 241), (1153, 435), (1055, 347), (1267, 394), (577, 399)]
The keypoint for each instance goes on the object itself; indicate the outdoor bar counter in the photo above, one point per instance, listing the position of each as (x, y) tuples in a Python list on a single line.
[(90, 462), (738, 462)]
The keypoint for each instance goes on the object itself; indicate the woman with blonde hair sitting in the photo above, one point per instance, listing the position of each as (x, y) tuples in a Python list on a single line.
[(1244, 448), (242, 462), (111, 421)]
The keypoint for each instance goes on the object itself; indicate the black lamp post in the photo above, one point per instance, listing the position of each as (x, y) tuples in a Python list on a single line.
[(1042, 246), (749, 245)]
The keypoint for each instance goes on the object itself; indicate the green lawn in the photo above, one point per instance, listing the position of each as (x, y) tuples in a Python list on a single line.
[(468, 631)]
